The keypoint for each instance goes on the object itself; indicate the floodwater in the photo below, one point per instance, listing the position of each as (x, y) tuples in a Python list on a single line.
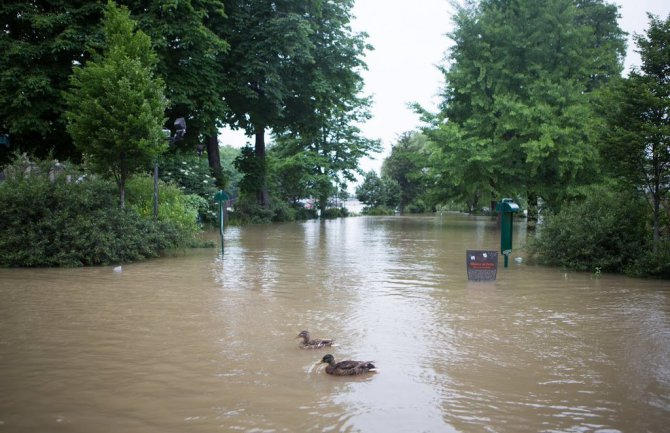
[(204, 342)]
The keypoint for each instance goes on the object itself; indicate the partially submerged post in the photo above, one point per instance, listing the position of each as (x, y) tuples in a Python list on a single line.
[(506, 208), (222, 198)]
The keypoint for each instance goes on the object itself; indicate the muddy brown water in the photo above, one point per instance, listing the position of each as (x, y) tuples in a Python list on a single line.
[(204, 342)]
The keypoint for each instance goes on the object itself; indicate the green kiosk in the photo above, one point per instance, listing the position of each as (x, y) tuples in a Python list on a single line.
[(506, 208)]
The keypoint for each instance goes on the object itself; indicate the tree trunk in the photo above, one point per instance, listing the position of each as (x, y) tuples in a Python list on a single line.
[(323, 203), (533, 213), (262, 195), (122, 191), (214, 159), (656, 237)]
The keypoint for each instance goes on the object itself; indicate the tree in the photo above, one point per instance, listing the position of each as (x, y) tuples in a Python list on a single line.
[(42, 40), (187, 37), (39, 42), (269, 40), (294, 69), (328, 157), (323, 117), (116, 103), (517, 109), (637, 140), (377, 192), (408, 165)]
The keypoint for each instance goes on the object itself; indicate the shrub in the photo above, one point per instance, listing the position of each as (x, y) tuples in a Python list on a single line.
[(191, 174), (48, 220), (606, 229), (334, 212), (378, 211), (650, 264), (248, 211), (303, 214), (174, 206)]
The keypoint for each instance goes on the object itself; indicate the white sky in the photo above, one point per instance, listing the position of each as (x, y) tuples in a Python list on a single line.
[(410, 41)]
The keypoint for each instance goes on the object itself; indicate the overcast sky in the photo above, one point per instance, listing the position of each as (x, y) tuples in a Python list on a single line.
[(409, 41)]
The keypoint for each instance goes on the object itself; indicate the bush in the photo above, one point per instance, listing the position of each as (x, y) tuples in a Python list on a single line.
[(174, 207), (606, 230), (417, 207), (378, 211), (282, 212), (55, 222), (334, 212), (303, 214), (248, 211), (650, 264), (192, 174)]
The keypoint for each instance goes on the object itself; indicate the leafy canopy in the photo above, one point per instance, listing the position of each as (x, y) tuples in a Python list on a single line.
[(516, 116), (116, 103)]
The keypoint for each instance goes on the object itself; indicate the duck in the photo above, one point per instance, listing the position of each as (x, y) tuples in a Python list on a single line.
[(317, 343), (347, 368)]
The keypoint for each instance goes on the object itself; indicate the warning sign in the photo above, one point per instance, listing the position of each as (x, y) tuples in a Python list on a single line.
[(481, 265)]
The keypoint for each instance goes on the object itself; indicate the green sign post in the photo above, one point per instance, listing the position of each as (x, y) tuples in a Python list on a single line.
[(222, 198), (506, 208)]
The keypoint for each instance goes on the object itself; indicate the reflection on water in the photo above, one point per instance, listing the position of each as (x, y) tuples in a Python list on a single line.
[(203, 342)]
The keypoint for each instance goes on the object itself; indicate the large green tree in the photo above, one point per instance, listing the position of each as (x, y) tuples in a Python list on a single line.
[(407, 165), (327, 158), (294, 69), (188, 39), (269, 42), (517, 115), (636, 142), (39, 43), (376, 192), (42, 40), (116, 103)]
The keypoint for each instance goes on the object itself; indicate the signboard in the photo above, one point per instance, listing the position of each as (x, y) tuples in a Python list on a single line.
[(481, 265)]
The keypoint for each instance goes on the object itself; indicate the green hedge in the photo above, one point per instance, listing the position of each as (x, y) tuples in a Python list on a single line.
[(61, 223), (607, 230)]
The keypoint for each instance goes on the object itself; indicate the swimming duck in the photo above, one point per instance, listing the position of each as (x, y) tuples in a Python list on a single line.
[(307, 343), (347, 368)]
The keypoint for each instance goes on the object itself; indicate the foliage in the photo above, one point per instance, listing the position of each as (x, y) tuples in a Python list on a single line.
[(61, 223), (604, 229), (253, 171), (180, 209), (42, 40), (39, 43), (248, 211), (233, 177), (636, 141), (324, 139), (292, 176), (318, 164), (292, 63), (191, 173), (407, 166), (516, 118), (376, 192), (334, 212), (378, 211), (116, 104), (187, 38), (654, 264)]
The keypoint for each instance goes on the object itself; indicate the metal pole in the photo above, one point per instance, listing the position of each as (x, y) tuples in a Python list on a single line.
[(221, 219), (156, 191)]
